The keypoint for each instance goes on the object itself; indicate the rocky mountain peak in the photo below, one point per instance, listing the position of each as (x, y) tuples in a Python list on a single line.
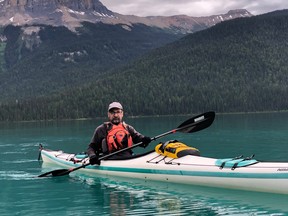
[(71, 13), (40, 5)]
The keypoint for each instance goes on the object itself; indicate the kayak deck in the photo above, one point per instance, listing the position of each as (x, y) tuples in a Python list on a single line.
[(196, 170)]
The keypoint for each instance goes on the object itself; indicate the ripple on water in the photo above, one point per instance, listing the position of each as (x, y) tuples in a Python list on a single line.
[(2, 145), (20, 161), (16, 175)]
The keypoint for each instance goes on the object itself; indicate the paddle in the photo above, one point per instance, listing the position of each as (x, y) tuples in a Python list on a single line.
[(191, 125)]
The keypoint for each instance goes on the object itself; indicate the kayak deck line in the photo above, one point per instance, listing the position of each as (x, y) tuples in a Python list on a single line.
[(171, 161)]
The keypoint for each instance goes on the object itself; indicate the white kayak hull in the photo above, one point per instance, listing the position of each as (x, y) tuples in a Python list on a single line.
[(269, 177)]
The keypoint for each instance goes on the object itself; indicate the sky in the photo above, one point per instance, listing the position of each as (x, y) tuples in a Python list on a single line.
[(191, 7)]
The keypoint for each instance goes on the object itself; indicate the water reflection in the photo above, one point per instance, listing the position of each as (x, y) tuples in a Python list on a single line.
[(123, 196)]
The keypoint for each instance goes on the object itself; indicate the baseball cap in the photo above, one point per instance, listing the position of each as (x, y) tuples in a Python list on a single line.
[(115, 105)]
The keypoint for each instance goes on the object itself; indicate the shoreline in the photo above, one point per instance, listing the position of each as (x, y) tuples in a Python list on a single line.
[(147, 116)]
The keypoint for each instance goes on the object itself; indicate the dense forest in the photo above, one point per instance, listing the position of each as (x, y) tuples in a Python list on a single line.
[(235, 66), (56, 58)]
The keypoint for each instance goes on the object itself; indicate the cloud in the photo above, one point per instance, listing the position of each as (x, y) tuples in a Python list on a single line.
[(191, 7)]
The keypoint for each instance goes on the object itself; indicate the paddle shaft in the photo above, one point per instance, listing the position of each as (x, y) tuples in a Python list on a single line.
[(191, 125), (117, 152), (197, 122)]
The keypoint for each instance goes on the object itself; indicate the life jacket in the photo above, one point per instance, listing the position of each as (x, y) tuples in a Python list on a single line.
[(175, 149), (118, 137)]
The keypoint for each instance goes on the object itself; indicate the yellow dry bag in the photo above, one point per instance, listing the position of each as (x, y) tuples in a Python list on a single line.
[(175, 149)]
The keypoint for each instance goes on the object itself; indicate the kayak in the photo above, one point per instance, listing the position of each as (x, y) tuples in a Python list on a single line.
[(241, 173)]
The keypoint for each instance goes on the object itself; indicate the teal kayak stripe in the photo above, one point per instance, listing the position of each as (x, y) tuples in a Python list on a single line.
[(221, 173)]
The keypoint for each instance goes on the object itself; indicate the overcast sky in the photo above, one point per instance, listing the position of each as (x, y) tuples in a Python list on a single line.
[(191, 7)]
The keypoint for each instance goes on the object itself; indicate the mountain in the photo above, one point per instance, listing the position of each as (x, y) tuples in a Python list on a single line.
[(48, 46), (71, 13), (235, 66), (182, 23)]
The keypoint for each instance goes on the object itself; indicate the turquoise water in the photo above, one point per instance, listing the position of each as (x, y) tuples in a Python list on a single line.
[(22, 193)]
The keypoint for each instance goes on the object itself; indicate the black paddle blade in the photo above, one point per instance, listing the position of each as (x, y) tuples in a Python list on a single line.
[(59, 172), (197, 123)]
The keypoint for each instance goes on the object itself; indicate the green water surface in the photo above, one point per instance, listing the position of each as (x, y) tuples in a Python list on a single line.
[(22, 193)]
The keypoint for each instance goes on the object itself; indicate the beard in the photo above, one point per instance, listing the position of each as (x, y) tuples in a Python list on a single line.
[(115, 120)]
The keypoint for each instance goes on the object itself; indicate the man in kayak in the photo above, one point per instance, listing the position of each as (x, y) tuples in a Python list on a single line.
[(114, 135)]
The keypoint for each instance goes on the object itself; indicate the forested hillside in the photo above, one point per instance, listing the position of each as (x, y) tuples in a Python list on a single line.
[(236, 66), (52, 59)]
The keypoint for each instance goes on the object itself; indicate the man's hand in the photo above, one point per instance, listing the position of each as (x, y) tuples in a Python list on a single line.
[(94, 160), (145, 141)]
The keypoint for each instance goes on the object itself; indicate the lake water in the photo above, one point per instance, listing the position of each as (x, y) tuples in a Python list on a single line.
[(22, 193)]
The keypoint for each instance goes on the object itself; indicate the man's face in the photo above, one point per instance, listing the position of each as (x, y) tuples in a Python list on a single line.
[(115, 116)]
